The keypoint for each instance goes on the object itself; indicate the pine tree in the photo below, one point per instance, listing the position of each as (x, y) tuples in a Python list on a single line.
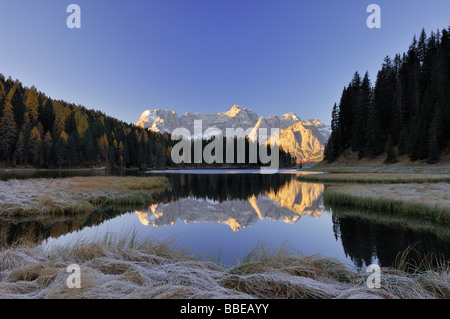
[(82, 124), (372, 148), (346, 117), (48, 116), (391, 156), (48, 148), (8, 132), (421, 46), (433, 148), (61, 149), (32, 105), (35, 145), (121, 158), (16, 99), (20, 149), (126, 154), (2, 98), (361, 115), (72, 150), (140, 157), (103, 146), (333, 148), (111, 157), (402, 141), (88, 147)]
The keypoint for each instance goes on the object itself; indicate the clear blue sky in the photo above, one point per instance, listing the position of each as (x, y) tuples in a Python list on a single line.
[(205, 55)]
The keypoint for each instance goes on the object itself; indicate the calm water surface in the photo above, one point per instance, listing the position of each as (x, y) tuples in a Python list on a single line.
[(226, 213)]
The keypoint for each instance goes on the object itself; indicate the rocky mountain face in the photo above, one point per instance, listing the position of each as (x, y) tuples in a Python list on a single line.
[(304, 140)]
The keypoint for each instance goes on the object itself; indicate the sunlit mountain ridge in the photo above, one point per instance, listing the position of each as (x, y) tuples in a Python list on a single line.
[(303, 140)]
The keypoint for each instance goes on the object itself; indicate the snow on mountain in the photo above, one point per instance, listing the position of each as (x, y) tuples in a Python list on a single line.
[(159, 120), (325, 130), (304, 140)]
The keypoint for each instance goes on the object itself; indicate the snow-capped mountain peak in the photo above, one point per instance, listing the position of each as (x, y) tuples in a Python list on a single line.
[(293, 132)]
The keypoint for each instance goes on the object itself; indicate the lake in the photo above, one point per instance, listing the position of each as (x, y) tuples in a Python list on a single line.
[(224, 214)]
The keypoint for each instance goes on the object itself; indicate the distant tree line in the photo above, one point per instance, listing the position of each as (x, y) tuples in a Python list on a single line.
[(39, 131), (234, 145), (406, 112)]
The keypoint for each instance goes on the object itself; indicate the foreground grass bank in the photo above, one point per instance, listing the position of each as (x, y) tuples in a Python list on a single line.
[(76, 194), (123, 269)]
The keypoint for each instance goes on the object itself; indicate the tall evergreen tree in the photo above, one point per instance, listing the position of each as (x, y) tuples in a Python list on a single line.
[(374, 140), (333, 147), (35, 145), (359, 139), (15, 98), (8, 131), (111, 157), (20, 149), (32, 105), (391, 156), (48, 148), (2, 98)]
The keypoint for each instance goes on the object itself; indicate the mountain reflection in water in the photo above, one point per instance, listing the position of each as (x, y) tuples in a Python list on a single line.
[(286, 203), (229, 214)]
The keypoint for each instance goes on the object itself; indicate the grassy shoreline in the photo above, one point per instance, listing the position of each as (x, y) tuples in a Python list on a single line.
[(425, 195), (392, 200), (124, 269), (54, 169), (74, 195), (419, 169), (375, 178)]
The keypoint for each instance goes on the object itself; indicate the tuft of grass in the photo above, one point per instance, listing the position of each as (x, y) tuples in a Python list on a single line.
[(412, 260), (42, 273), (261, 259), (432, 271)]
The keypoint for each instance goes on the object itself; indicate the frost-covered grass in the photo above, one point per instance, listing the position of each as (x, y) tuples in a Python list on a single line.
[(76, 194), (431, 201), (375, 178), (397, 169), (125, 269), (418, 194)]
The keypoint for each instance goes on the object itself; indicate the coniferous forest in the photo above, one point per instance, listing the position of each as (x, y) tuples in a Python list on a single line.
[(406, 112), (42, 132)]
